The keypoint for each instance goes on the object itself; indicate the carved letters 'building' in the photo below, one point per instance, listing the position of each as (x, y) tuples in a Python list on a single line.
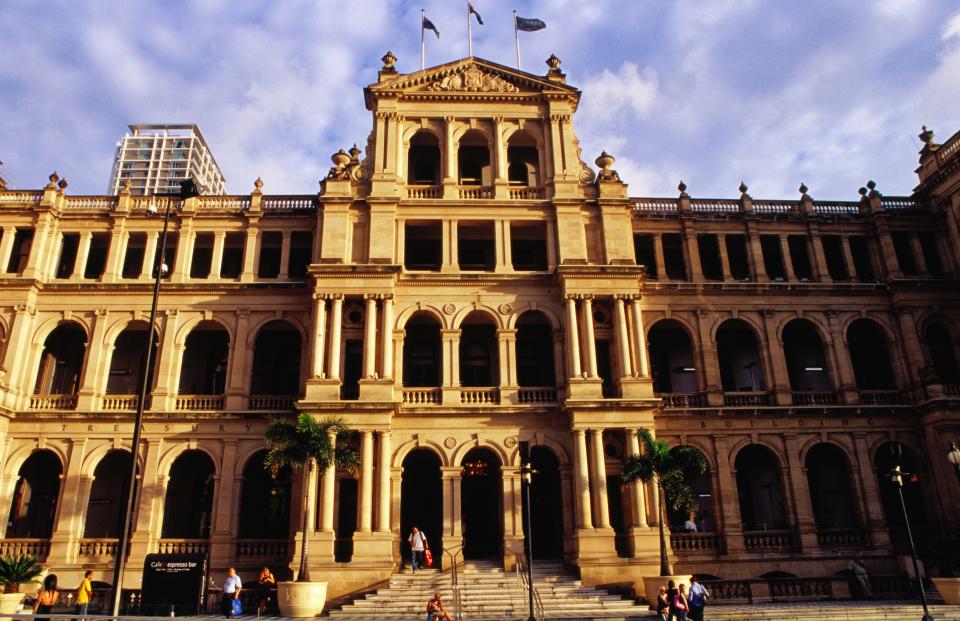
[(464, 283)]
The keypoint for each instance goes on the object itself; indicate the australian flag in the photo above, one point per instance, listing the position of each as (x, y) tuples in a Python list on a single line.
[(428, 25), (474, 11), (527, 24)]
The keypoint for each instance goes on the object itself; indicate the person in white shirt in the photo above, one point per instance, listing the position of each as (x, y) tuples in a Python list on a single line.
[(690, 525), (418, 542), (231, 591)]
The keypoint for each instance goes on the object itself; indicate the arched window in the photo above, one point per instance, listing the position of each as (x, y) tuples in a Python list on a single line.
[(129, 360), (204, 370), (703, 517), (276, 360), (479, 356), (423, 159), (535, 363), (61, 363), (806, 362), (523, 160), (828, 477), (474, 158), (870, 356), (108, 496), (739, 357), (943, 356), (264, 501), (189, 502), (421, 351), (762, 501), (671, 358), (35, 497)]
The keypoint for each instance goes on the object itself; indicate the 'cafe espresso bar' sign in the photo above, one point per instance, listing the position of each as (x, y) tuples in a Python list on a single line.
[(173, 583)]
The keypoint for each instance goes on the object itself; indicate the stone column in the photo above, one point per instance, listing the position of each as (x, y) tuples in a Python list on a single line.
[(336, 321), (229, 484), (329, 488), (449, 162), (729, 523), (581, 479), (694, 267), (551, 245), (319, 334), (598, 480), (366, 482), (848, 258), (68, 523), (83, 251), (589, 340), (572, 338), (149, 256), (383, 501), (799, 489), (643, 355), (6, 246), (251, 252), (845, 380), (818, 257), (623, 342), (216, 261), (777, 360), (637, 503), (787, 260), (914, 359), (726, 274), (756, 254), (709, 367), (450, 354), (658, 256), (284, 255), (386, 336), (918, 256), (501, 241), (370, 337), (866, 480)]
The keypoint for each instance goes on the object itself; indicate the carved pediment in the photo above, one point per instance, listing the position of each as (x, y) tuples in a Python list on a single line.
[(471, 78)]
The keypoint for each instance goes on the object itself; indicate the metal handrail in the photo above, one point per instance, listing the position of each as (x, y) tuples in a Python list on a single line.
[(455, 581), (537, 601)]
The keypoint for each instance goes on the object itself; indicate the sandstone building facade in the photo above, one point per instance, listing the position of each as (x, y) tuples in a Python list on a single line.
[(463, 284)]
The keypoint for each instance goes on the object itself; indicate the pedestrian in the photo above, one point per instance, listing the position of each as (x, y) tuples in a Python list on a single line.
[(418, 542), (671, 596), (265, 583), (680, 603), (663, 604), (691, 524), (698, 599), (435, 611), (84, 591), (231, 591), (47, 596), (859, 570)]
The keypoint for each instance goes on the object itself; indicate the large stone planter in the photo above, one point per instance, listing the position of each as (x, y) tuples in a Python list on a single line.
[(301, 599), (10, 603), (652, 584), (949, 590)]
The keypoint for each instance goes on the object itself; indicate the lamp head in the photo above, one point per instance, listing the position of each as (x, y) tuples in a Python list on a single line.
[(953, 455), (152, 209), (164, 269)]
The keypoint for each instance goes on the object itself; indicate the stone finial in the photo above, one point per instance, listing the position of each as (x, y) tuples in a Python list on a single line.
[(871, 185), (258, 185), (862, 191), (127, 186), (389, 62), (803, 189), (926, 135), (743, 187), (553, 62), (54, 177), (354, 153), (682, 187), (605, 160), (340, 159)]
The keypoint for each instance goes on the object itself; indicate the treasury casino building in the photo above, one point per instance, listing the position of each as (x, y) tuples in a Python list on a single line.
[(465, 283)]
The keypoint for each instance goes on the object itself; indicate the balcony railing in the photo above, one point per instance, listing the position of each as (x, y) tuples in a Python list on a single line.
[(224, 202), (800, 588), (53, 402), (289, 203), (480, 396), (263, 549), (273, 403), (951, 390), (880, 397), (122, 402), (422, 396), (746, 398), (526, 193), (695, 542), (424, 191), (475, 191), (97, 549), (183, 546), (841, 538), (30, 198), (39, 548), (681, 399), (763, 540), (90, 202), (533, 395), (814, 397), (199, 403)]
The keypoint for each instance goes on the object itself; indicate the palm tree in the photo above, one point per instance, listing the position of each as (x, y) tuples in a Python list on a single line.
[(668, 469), (303, 441)]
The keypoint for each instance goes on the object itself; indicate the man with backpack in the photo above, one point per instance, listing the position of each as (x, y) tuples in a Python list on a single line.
[(418, 543)]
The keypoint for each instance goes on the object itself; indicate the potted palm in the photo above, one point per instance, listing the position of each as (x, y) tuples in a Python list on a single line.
[(303, 442), (667, 469), (14, 571)]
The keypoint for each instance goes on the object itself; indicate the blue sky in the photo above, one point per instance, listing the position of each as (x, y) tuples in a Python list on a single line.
[(830, 93)]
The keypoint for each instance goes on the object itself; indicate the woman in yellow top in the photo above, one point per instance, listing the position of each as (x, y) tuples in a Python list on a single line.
[(265, 582), (47, 597), (84, 591)]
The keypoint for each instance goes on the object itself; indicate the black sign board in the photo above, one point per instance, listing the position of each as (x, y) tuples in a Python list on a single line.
[(175, 580)]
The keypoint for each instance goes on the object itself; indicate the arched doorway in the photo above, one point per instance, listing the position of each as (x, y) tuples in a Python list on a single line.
[(870, 356), (421, 501), (547, 501), (108, 496), (806, 362), (828, 477), (701, 484), (910, 463), (189, 501), (739, 357), (276, 360), (34, 504), (62, 361), (421, 351), (264, 501), (204, 369), (762, 501), (129, 359), (480, 504), (671, 358)]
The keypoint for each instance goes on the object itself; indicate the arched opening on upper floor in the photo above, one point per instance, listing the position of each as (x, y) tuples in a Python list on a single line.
[(911, 465), (421, 351), (546, 498), (473, 157), (423, 159), (264, 501), (61, 363), (760, 488), (523, 160), (535, 360), (806, 362), (108, 496), (870, 356), (703, 517), (481, 511), (204, 369), (739, 356), (831, 492), (277, 351), (671, 358), (421, 501), (941, 347), (479, 354), (188, 506), (35, 496), (129, 359)]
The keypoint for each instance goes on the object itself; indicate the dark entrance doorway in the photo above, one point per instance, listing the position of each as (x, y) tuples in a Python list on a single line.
[(480, 511), (547, 515), (421, 502)]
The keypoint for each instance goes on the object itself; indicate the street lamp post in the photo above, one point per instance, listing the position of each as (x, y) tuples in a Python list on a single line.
[(896, 477), (953, 456), (187, 189), (526, 478)]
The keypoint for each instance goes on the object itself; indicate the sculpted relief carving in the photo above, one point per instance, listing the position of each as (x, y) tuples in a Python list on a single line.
[(472, 79)]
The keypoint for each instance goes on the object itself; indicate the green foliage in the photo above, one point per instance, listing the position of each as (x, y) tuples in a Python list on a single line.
[(667, 468), (17, 570), (295, 441)]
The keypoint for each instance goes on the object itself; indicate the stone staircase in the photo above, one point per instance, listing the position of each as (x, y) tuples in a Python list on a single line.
[(488, 593)]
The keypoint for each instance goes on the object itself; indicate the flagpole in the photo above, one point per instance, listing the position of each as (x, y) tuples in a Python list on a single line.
[(469, 33), (516, 36), (423, 14)]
